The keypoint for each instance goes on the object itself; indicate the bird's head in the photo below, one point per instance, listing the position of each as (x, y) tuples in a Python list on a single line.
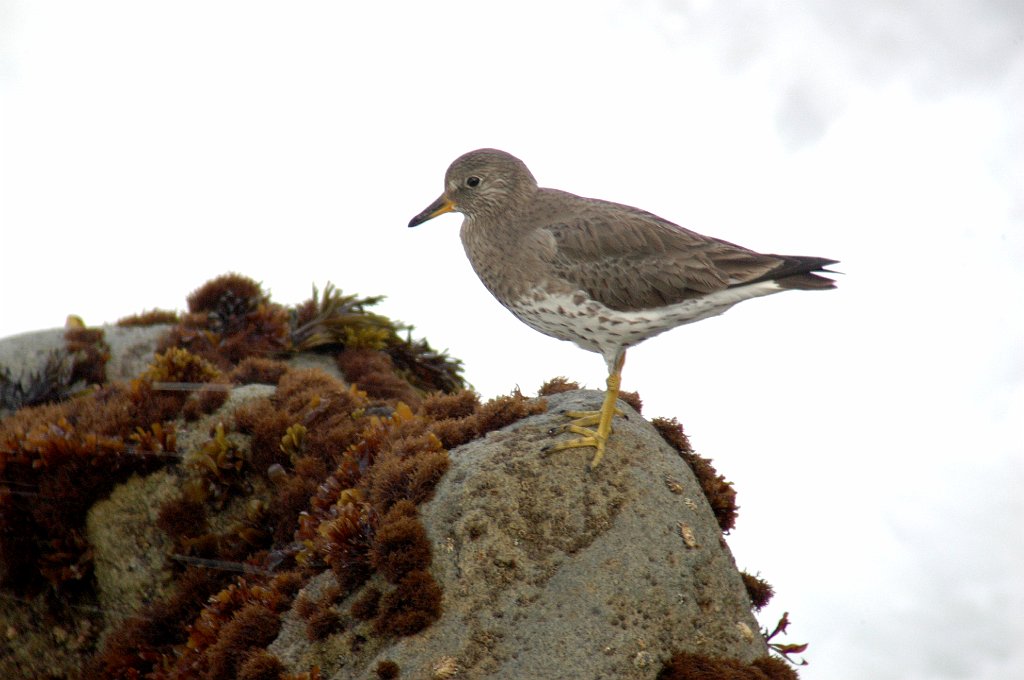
[(482, 183)]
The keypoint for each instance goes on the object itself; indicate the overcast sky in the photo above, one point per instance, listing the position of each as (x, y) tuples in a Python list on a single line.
[(875, 433)]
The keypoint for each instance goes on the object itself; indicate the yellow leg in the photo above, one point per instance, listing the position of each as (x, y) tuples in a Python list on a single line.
[(585, 420)]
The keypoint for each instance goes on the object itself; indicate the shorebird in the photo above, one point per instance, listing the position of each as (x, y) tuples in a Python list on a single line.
[(603, 275)]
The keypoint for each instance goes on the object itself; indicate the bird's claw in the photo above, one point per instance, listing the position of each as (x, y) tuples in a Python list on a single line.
[(583, 425), (588, 438)]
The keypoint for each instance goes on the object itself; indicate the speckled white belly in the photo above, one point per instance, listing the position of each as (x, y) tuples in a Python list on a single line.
[(597, 328)]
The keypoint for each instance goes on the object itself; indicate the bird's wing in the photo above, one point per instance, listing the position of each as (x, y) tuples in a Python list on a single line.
[(630, 259)]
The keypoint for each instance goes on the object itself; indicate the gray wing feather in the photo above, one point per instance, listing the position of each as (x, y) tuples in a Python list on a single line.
[(630, 259)]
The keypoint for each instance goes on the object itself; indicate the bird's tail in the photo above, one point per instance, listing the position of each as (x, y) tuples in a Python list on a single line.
[(803, 273)]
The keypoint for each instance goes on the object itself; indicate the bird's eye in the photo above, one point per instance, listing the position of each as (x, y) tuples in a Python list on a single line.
[(472, 182)]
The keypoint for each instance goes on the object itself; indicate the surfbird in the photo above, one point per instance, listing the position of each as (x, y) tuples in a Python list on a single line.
[(602, 275)]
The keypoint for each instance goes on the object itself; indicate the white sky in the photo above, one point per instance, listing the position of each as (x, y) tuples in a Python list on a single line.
[(874, 433)]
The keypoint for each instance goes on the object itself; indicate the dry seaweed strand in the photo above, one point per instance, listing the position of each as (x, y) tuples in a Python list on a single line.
[(152, 317), (689, 666), (759, 590), (339, 321)]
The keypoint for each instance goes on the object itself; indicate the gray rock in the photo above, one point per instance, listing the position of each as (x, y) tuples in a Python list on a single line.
[(131, 349), (551, 571), (129, 551)]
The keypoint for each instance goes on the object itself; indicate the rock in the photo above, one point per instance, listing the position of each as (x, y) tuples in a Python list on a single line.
[(548, 570), (551, 571), (131, 349), (129, 551)]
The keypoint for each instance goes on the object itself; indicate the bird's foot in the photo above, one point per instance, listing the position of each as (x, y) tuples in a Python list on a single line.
[(588, 438), (583, 419), (583, 423), (594, 427)]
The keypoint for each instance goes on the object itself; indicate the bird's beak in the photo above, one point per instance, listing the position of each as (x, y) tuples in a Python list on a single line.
[(438, 207)]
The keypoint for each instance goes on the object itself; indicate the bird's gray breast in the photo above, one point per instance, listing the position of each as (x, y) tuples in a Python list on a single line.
[(506, 266)]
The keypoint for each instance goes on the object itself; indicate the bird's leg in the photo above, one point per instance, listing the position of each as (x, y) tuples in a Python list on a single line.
[(585, 420)]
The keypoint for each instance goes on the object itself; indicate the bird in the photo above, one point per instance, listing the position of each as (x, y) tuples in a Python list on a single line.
[(603, 275)]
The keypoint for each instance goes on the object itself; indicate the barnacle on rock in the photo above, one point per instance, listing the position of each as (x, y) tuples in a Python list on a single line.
[(445, 667), (720, 493)]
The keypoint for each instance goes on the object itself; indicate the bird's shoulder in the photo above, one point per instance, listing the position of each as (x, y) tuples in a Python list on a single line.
[(580, 220)]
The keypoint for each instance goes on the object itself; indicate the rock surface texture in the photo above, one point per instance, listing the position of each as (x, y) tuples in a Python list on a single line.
[(551, 571)]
